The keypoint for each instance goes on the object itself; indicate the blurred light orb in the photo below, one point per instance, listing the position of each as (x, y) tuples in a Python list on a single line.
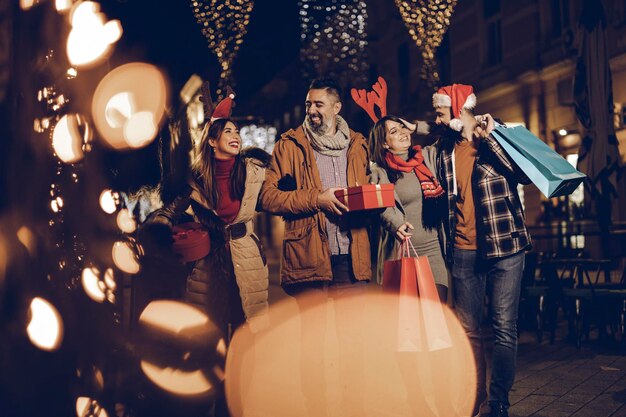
[(108, 201), (109, 279), (140, 129), (345, 354), (188, 327), (129, 104), (63, 5), (27, 4), (125, 257), (45, 328), (27, 238), (125, 221), (69, 138), (91, 36), (90, 279), (88, 407), (177, 381)]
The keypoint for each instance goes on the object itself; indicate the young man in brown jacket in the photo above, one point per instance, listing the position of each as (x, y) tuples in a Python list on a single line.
[(325, 248)]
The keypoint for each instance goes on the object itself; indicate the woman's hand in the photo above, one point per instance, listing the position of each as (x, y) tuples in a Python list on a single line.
[(403, 231)]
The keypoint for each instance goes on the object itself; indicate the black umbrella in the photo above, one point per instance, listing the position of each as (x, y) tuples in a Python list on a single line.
[(598, 155)]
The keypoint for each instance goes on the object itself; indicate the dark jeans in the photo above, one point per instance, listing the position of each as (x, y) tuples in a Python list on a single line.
[(501, 280)]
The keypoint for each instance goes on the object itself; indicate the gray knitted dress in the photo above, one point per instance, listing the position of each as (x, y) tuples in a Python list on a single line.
[(409, 207)]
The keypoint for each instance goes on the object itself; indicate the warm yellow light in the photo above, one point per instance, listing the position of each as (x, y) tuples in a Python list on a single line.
[(86, 406), (63, 5), (27, 4), (70, 134), (128, 105), (91, 284), (177, 381), (125, 221), (45, 329), (109, 279), (125, 258), (91, 36), (140, 129), (173, 316), (108, 201), (363, 360), (27, 238)]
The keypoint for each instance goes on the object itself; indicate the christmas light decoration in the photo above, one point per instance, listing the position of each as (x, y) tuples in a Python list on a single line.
[(427, 22), (224, 24), (334, 39)]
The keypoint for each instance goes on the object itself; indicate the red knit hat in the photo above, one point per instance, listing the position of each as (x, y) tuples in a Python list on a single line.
[(457, 97)]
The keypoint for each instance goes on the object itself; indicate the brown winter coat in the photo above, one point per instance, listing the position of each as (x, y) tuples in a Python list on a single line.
[(292, 185)]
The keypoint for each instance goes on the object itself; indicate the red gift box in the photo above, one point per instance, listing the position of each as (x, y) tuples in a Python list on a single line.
[(365, 197), (191, 241)]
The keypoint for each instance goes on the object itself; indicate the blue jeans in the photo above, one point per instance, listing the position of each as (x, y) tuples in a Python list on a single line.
[(501, 280)]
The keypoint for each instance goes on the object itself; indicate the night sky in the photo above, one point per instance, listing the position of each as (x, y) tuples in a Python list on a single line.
[(164, 32)]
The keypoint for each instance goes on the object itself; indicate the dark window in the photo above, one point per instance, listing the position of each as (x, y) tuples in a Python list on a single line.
[(494, 43), (491, 7)]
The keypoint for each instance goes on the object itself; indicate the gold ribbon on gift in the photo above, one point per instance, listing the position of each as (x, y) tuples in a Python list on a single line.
[(379, 195)]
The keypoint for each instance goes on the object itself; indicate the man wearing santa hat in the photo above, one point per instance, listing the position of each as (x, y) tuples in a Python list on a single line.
[(486, 233)]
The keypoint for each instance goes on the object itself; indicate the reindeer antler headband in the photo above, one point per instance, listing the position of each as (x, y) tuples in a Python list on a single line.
[(367, 100), (222, 110)]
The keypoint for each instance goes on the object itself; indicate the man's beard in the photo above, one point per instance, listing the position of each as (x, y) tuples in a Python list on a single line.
[(320, 128)]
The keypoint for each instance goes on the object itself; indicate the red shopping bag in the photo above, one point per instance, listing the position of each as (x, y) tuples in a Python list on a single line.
[(420, 315)]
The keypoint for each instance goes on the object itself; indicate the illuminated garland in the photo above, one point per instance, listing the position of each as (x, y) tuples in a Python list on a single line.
[(333, 35), (224, 24), (427, 21)]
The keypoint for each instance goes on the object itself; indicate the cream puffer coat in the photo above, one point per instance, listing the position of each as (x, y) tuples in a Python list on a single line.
[(248, 259)]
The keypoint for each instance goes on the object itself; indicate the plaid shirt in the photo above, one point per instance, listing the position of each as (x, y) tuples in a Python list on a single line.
[(501, 229)]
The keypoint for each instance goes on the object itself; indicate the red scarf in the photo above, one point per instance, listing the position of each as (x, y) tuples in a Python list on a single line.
[(430, 186)]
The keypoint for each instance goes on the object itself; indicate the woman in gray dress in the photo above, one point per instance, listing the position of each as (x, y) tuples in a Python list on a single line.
[(419, 197)]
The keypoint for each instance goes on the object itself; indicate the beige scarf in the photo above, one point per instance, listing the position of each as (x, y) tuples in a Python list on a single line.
[(327, 144)]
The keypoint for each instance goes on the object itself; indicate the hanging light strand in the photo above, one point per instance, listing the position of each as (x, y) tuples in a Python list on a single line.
[(223, 24), (427, 22), (334, 39)]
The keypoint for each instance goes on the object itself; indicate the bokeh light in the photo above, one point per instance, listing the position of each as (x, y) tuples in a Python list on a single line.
[(90, 279), (128, 105), (63, 5), (45, 328), (126, 221), (343, 355), (108, 201), (125, 257), (27, 238), (88, 407), (91, 36), (189, 328), (69, 138)]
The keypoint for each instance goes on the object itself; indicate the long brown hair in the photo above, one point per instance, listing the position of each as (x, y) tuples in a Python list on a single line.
[(204, 164), (378, 138)]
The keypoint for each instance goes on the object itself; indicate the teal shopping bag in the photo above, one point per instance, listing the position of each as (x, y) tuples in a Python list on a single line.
[(548, 170)]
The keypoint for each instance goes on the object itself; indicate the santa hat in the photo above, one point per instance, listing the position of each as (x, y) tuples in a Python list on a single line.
[(457, 97), (222, 110)]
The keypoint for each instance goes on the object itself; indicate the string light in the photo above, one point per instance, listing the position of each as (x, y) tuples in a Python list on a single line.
[(333, 35), (224, 24), (427, 22)]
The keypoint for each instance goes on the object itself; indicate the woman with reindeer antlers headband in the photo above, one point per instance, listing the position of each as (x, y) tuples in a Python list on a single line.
[(417, 214), (231, 282)]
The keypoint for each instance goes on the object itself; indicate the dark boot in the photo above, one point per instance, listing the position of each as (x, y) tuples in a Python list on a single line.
[(498, 410)]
